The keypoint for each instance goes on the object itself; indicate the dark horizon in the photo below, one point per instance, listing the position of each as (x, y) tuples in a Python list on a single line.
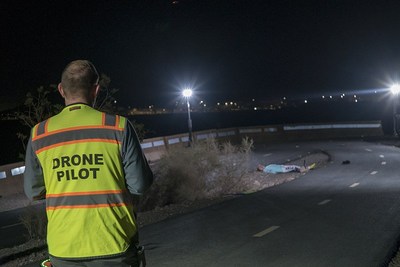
[(223, 49)]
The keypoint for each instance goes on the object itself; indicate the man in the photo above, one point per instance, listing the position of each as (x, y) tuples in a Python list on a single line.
[(86, 163)]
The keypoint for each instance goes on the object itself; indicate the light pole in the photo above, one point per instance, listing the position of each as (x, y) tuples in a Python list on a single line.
[(187, 93), (395, 88)]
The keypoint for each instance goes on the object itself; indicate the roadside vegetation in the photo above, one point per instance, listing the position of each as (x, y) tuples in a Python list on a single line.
[(206, 170)]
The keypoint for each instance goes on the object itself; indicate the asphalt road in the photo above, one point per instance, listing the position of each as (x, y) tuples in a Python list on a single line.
[(12, 230), (340, 215)]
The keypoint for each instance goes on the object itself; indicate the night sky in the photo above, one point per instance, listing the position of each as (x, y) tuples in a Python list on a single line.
[(224, 49)]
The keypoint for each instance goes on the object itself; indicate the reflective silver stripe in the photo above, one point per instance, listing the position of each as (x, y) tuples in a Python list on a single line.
[(110, 120), (116, 199), (76, 135), (41, 128)]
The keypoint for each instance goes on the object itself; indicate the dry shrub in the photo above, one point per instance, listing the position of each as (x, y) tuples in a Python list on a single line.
[(233, 165), (34, 220), (205, 170)]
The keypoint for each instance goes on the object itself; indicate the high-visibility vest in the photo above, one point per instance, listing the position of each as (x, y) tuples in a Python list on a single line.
[(89, 209)]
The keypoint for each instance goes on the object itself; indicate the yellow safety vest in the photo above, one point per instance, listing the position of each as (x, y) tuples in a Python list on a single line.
[(88, 206)]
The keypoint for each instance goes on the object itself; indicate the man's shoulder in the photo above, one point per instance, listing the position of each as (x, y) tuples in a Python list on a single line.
[(115, 119), (43, 121), (112, 114)]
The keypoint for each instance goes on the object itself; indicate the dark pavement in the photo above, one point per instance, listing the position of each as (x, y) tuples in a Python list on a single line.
[(340, 215)]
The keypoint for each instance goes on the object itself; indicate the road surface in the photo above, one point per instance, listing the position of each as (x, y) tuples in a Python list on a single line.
[(340, 215)]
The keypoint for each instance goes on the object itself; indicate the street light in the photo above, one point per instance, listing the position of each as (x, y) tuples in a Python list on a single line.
[(395, 88), (187, 93)]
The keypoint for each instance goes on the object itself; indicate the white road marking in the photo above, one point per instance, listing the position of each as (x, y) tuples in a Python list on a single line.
[(354, 185), (381, 156), (324, 202), (267, 155), (383, 162), (266, 231), (374, 172), (367, 149), (11, 225)]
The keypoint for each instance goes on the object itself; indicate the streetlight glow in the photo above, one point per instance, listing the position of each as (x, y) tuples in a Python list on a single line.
[(395, 88), (187, 92)]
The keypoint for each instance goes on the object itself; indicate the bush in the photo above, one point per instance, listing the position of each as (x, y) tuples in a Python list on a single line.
[(207, 169)]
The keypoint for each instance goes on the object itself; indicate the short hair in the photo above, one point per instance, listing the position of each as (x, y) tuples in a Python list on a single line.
[(79, 77)]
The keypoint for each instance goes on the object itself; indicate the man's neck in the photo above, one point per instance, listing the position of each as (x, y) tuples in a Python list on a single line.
[(69, 102)]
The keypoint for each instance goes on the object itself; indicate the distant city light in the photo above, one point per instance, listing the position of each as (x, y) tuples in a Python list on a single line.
[(253, 100), (356, 100), (330, 97), (323, 97), (255, 108), (305, 101), (355, 96)]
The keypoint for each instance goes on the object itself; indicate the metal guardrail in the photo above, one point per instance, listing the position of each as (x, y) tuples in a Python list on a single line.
[(13, 169), (155, 147), (333, 126)]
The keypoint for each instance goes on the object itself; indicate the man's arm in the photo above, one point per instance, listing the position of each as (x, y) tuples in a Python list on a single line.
[(138, 174), (33, 176)]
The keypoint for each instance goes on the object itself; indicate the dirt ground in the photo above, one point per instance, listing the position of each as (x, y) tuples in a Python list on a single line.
[(35, 250)]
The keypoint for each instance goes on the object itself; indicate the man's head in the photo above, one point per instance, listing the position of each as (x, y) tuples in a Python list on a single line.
[(79, 82)]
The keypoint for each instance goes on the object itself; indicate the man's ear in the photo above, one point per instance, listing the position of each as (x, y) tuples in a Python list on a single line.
[(97, 90), (61, 90)]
